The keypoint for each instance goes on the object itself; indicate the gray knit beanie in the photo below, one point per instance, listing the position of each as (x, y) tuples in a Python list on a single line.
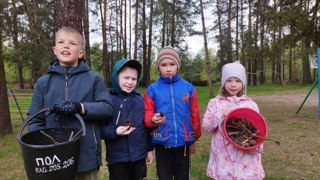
[(168, 52)]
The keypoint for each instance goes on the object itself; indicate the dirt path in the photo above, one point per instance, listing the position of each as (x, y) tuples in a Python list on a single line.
[(289, 98)]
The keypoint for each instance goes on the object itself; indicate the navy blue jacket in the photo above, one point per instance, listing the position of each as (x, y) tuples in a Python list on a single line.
[(74, 84), (134, 146)]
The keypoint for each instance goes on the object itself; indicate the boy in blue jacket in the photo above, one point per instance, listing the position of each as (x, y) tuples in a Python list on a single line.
[(71, 87), (126, 137), (171, 110)]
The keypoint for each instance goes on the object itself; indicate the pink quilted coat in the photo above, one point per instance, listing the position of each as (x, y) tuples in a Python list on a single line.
[(226, 161)]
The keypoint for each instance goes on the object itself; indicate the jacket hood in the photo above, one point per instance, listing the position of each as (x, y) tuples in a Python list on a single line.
[(118, 66)]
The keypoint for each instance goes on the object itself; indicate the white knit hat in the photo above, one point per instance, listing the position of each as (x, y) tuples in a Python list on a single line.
[(234, 69)]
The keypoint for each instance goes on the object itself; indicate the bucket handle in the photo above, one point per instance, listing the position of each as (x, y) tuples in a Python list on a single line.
[(26, 122)]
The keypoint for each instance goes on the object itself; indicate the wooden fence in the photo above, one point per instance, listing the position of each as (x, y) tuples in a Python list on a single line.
[(19, 102)]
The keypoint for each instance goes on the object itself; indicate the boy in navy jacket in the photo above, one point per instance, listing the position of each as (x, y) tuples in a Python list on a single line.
[(69, 87), (127, 144)]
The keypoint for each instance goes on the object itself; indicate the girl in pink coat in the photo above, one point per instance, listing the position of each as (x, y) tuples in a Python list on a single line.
[(226, 161)]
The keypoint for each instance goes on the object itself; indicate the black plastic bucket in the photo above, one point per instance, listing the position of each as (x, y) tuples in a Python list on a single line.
[(51, 153)]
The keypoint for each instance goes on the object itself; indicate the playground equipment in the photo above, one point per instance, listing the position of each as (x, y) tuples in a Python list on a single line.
[(313, 85), (16, 101)]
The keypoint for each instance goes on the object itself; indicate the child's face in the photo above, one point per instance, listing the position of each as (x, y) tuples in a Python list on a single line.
[(233, 85), (168, 68), (128, 78), (68, 48)]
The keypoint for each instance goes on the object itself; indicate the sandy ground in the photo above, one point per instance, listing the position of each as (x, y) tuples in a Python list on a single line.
[(292, 98)]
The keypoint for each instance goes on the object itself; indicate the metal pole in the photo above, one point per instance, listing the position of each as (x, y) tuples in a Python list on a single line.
[(313, 85), (318, 54), (15, 99)]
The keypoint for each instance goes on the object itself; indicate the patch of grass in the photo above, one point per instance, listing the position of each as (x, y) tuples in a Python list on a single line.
[(11, 158), (270, 88)]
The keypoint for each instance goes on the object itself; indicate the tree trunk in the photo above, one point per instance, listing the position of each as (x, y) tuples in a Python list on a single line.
[(242, 34), (121, 29), (117, 30), (144, 41), (306, 77), (33, 21), (173, 23), (135, 55), (18, 61), (148, 66), (208, 66), (86, 29), (111, 40), (273, 56), (229, 32), (67, 14), (130, 29), (5, 121), (125, 31), (220, 33), (261, 66), (164, 23), (237, 30), (20, 72), (279, 78), (250, 50), (256, 48), (105, 61)]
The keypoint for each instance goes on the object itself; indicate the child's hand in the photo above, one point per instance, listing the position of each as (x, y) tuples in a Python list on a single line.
[(225, 112), (124, 130), (149, 158), (192, 148), (67, 108), (158, 119)]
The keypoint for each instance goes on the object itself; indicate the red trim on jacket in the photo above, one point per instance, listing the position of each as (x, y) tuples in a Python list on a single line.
[(195, 116), (149, 110)]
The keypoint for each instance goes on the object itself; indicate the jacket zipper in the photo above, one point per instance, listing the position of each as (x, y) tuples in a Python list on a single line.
[(66, 94), (174, 113), (119, 113), (66, 78)]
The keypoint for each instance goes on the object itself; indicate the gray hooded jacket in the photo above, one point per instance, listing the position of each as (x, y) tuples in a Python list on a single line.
[(78, 84)]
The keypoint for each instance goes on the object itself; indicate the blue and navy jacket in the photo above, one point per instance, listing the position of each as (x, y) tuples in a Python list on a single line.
[(134, 146), (78, 84), (177, 99)]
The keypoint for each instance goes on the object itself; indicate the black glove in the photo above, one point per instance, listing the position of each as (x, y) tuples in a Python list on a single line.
[(67, 108)]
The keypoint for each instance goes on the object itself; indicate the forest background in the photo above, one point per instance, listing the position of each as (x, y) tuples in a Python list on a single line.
[(273, 39)]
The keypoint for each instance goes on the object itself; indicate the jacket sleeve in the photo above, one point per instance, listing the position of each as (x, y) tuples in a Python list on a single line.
[(150, 145), (195, 116), (101, 108), (109, 131), (213, 116), (149, 110), (39, 121)]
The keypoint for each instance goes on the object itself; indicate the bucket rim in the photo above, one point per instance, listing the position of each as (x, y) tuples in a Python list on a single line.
[(49, 146), (235, 144), (27, 121)]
